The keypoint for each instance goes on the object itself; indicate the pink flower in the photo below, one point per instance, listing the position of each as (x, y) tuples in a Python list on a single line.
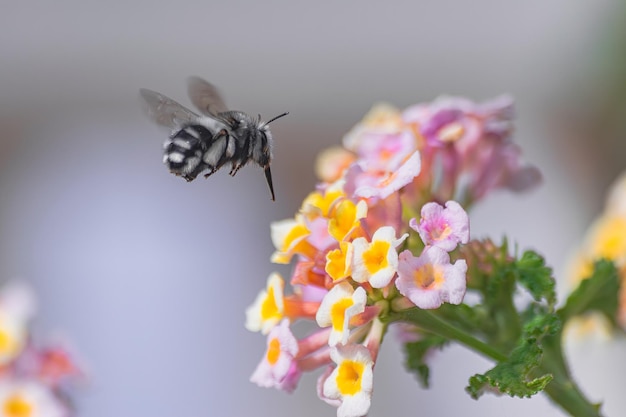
[(467, 148), (442, 227), (461, 122), (53, 365), (362, 181), (430, 279), (499, 165), (278, 368), (383, 151)]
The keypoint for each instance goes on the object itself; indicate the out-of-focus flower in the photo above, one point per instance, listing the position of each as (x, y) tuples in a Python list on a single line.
[(17, 298), (278, 368), (29, 398), (34, 380), (430, 279), (332, 163), (363, 182), (268, 309), (605, 239), (468, 146), (616, 200), (13, 334), (460, 121), (55, 365), (17, 307)]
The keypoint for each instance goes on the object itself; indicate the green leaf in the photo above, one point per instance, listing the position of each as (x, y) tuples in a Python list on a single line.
[(536, 277), (598, 293), (416, 353), (515, 376)]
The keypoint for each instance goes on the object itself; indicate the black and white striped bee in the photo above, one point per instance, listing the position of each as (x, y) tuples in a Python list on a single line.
[(213, 139)]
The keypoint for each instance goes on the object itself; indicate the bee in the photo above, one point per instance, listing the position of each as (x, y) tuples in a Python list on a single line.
[(211, 140)]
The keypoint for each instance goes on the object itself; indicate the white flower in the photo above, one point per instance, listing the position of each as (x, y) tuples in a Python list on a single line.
[(339, 305), (28, 398), (376, 262), (351, 381), (268, 308)]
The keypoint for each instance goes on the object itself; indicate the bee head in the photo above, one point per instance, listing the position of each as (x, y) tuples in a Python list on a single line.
[(262, 142), (262, 148)]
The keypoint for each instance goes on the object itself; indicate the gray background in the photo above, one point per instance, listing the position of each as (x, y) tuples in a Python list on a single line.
[(149, 276)]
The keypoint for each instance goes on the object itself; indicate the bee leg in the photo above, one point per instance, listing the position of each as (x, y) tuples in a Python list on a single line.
[(211, 172), (234, 169), (220, 134)]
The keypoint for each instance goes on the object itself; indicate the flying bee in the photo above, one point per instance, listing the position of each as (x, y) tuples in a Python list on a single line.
[(213, 139)]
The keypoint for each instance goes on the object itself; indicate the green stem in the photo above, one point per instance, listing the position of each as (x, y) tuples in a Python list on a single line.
[(562, 390), (430, 322)]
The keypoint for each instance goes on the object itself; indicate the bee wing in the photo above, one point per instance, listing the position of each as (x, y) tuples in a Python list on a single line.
[(164, 111), (205, 97)]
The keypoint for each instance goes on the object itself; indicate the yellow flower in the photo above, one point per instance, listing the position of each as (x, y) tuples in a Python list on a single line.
[(607, 238), (289, 237), (339, 261), (13, 334), (346, 218), (320, 204)]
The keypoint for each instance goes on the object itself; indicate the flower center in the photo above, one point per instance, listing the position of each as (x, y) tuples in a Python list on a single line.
[(349, 377), (441, 231), (428, 276), (336, 264), (451, 132), (273, 351), (7, 344), (295, 235), (338, 313), (375, 257), (269, 308), (17, 406)]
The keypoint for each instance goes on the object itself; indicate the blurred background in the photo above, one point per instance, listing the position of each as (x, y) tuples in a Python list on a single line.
[(149, 276)]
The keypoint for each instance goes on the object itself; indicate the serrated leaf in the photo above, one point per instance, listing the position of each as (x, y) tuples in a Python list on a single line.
[(416, 353), (536, 277), (598, 293), (514, 376), (542, 325)]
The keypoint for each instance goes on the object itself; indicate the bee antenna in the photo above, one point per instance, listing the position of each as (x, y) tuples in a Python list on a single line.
[(277, 117)]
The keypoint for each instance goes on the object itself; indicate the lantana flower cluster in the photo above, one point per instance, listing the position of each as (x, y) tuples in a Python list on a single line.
[(35, 381), (380, 233)]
